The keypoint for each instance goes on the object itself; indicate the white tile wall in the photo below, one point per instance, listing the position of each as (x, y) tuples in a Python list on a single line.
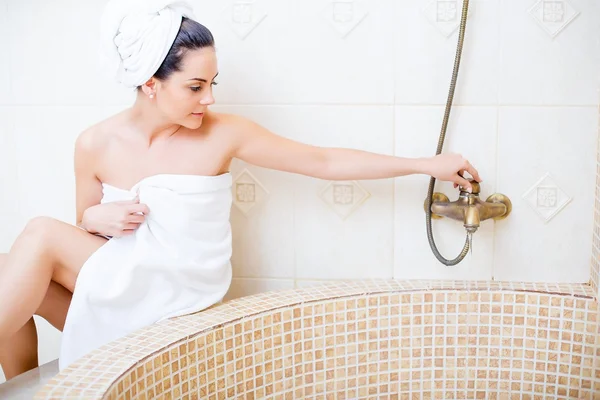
[(368, 74), (534, 141), (361, 244), (263, 235), (247, 34), (342, 52), (48, 340), (53, 51), (425, 47), (45, 137), (321, 56), (540, 69), (471, 132), (9, 199), (4, 64), (284, 235), (248, 286)]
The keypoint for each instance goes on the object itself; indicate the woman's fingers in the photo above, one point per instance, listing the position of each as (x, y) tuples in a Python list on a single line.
[(459, 180), (127, 228), (136, 218), (471, 170), (130, 226), (138, 208)]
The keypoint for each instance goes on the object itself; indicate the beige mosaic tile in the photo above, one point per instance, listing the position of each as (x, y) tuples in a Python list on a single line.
[(377, 339)]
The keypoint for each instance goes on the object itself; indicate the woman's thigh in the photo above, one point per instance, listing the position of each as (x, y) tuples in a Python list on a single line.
[(67, 246), (56, 303)]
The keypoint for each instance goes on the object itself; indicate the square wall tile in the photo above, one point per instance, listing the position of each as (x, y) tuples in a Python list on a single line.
[(57, 54), (343, 229), (262, 234), (308, 51), (547, 166), (241, 287), (247, 36), (263, 226), (550, 56), (342, 52), (472, 133), (44, 139), (426, 35)]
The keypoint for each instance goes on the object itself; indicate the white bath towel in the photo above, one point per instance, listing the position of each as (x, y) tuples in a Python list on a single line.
[(177, 262), (137, 36)]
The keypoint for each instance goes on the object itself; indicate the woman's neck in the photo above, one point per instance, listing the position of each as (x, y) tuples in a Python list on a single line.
[(146, 120)]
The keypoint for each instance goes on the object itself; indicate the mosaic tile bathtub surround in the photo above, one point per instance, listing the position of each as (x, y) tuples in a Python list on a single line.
[(349, 340)]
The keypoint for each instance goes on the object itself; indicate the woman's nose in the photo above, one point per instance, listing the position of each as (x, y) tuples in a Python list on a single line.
[(208, 99)]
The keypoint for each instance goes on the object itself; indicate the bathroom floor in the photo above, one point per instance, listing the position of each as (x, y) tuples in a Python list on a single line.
[(26, 385)]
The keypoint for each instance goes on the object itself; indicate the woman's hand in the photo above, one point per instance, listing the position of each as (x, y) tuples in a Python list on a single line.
[(451, 167), (119, 218)]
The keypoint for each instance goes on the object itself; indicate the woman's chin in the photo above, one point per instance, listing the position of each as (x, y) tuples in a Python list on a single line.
[(191, 123)]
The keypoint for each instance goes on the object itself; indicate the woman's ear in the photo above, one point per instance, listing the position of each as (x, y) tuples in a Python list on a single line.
[(149, 88)]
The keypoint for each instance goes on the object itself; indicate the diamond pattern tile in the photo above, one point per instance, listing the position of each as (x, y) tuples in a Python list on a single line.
[(553, 15), (345, 15), (244, 16), (445, 15), (344, 197), (546, 198), (248, 192)]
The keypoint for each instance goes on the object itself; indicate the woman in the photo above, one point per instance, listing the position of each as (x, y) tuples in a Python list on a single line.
[(168, 135)]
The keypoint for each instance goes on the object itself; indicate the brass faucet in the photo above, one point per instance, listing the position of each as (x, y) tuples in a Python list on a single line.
[(469, 208)]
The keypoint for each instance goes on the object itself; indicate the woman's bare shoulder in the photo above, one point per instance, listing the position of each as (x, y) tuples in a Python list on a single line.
[(226, 122), (97, 136)]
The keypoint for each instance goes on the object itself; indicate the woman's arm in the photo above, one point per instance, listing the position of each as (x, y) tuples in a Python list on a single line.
[(258, 146), (88, 189)]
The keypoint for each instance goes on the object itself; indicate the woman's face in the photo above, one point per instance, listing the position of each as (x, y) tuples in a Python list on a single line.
[(185, 96)]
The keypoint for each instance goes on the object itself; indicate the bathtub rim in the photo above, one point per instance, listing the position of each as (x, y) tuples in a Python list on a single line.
[(124, 355)]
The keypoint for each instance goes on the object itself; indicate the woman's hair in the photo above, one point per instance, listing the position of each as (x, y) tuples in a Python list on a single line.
[(191, 36)]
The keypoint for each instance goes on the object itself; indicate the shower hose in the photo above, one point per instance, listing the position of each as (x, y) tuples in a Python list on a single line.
[(465, 250)]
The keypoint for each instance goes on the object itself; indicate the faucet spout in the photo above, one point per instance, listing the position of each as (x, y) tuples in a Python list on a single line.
[(472, 219)]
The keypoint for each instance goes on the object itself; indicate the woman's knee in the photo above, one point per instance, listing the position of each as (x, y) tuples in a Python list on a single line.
[(39, 232)]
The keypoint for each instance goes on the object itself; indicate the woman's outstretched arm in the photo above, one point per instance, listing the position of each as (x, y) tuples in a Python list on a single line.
[(256, 145)]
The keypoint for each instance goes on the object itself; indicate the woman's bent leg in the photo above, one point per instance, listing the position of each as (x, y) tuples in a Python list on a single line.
[(19, 354), (38, 276)]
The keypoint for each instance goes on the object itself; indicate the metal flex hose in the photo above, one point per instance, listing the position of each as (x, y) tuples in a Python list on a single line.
[(465, 250)]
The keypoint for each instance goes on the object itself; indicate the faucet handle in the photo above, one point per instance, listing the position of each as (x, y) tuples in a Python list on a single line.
[(474, 185)]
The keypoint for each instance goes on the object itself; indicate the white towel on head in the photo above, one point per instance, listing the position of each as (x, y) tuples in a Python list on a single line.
[(137, 35)]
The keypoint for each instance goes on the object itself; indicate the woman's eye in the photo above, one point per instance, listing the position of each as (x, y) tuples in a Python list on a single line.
[(198, 88)]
